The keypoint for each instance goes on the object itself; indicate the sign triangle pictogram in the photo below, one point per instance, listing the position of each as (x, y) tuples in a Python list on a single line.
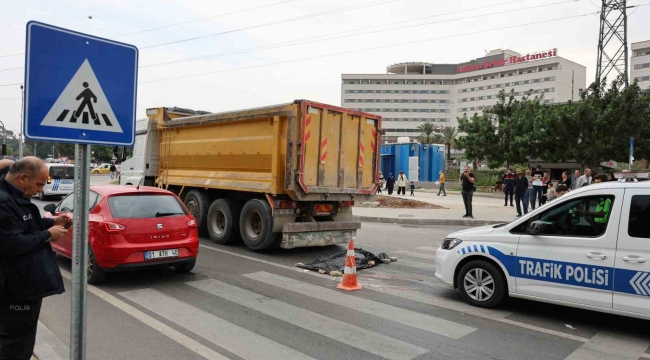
[(83, 105)]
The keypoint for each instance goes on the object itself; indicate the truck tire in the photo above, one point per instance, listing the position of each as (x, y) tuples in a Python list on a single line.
[(481, 284), (223, 222), (198, 203), (256, 225)]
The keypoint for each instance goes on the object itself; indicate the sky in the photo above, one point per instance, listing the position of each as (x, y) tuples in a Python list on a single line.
[(265, 52)]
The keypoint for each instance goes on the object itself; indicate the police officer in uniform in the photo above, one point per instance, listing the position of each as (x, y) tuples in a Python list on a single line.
[(28, 269)]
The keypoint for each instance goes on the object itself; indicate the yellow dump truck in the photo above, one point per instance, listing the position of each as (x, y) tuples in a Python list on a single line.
[(284, 175)]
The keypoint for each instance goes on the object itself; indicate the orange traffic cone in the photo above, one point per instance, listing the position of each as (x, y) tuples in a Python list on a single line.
[(349, 280)]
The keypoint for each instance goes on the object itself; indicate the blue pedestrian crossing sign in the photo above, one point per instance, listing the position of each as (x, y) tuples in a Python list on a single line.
[(79, 88)]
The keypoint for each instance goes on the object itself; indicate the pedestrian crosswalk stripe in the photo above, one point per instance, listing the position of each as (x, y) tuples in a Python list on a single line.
[(239, 341), (355, 336), (164, 329), (83, 105), (428, 248), (417, 255), (406, 317)]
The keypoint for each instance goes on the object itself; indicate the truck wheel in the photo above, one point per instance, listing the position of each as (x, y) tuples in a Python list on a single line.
[(256, 225), (198, 203), (223, 222), (481, 284)]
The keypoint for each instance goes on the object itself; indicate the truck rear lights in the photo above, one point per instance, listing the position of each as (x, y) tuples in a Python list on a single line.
[(346, 203), (323, 209), (287, 205)]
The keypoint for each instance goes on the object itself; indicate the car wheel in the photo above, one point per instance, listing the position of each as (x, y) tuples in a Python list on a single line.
[(256, 225), (223, 222), (481, 284), (96, 274), (198, 203), (185, 268), (41, 196)]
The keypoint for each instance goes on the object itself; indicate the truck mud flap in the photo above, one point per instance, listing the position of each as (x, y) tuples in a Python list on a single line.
[(296, 235)]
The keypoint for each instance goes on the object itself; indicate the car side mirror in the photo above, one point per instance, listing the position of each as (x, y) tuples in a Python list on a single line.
[(536, 227), (51, 208)]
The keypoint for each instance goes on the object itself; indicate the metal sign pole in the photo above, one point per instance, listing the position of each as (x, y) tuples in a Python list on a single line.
[(80, 253)]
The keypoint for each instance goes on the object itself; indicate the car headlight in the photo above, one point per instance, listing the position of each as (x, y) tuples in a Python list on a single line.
[(450, 243)]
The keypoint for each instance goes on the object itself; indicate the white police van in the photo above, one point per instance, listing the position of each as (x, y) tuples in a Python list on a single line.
[(587, 249), (60, 181)]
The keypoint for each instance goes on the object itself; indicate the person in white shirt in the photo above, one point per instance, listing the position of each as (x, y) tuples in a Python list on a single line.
[(584, 179), (401, 183)]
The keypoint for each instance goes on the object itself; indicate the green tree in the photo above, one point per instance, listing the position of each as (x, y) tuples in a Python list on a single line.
[(428, 131), (449, 135)]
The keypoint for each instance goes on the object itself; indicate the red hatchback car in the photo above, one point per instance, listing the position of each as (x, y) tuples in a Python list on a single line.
[(133, 228)]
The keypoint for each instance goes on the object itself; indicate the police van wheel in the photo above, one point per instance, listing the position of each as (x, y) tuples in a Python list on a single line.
[(481, 284), (41, 196)]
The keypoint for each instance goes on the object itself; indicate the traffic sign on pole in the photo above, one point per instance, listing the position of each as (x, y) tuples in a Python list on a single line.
[(79, 89)]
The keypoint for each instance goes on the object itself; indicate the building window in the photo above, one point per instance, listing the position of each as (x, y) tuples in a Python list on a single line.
[(642, 78), (641, 66), (643, 53)]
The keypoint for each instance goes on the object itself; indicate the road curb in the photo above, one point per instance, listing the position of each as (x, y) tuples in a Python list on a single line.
[(411, 221)]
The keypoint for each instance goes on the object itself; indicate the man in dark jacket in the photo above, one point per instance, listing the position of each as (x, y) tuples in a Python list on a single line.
[(390, 184), (28, 271), (521, 186), (509, 186)]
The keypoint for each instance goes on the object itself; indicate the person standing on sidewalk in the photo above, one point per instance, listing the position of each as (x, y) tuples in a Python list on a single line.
[(546, 180), (381, 182), (441, 184), (401, 183), (574, 180), (530, 193), (566, 180), (390, 183), (538, 186), (509, 186), (29, 270), (521, 187), (584, 180), (112, 170), (467, 182)]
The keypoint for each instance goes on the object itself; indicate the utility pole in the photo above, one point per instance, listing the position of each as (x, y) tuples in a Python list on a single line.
[(612, 41), (4, 138), (20, 134)]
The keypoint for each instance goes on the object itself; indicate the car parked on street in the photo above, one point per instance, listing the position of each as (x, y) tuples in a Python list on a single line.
[(587, 249), (131, 228)]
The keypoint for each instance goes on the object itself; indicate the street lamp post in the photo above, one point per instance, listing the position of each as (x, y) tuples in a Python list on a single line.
[(4, 135), (20, 135)]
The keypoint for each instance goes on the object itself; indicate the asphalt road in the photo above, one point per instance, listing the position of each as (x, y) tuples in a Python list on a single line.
[(243, 305)]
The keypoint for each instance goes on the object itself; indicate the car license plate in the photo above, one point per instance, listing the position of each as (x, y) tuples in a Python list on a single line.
[(160, 254)]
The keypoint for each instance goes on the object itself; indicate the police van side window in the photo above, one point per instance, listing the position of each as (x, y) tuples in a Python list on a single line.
[(639, 215), (584, 217)]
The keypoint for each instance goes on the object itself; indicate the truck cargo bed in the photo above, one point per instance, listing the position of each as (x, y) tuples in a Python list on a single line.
[(306, 150)]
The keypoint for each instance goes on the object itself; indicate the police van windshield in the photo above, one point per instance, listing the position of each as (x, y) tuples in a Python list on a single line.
[(62, 172)]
